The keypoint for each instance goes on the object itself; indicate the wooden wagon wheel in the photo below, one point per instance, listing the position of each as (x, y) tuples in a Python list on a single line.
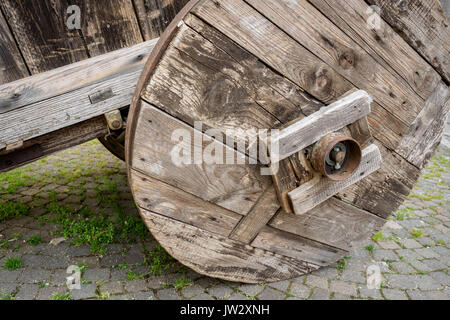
[(261, 64)]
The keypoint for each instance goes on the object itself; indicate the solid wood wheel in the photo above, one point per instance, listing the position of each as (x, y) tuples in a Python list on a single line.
[(260, 64)]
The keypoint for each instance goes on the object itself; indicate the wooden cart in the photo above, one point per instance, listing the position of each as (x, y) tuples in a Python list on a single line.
[(265, 138)]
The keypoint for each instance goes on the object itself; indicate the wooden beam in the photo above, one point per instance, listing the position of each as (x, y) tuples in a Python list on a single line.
[(316, 191), (59, 98), (328, 119)]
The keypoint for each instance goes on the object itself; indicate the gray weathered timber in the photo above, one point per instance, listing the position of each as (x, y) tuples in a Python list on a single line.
[(333, 222), (254, 32), (292, 245), (12, 66), (311, 129), (161, 198), (424, 25), (69, 100), (426, 132), (250, 226), (238, 262), (75, 76), (234, 187), (316, 191), (381, 42), (308, 26)]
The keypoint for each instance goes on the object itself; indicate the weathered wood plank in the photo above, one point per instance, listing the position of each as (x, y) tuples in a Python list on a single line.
[(73, 77), (383, 191), (233, 186), (312, 193), (254, 33), (308, 26), (108, 25), (328, 119), (258, 217), (201, 250), (12, 66), (333, 222), (382, 43), (50, 143), (424, 25), (72, 107), (297, 247), (159, 197), (426, 132), (155, 16), (194, 91), (41, 33)]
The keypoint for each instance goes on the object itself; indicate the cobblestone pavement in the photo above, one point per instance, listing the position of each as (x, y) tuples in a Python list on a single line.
[(82, 195)]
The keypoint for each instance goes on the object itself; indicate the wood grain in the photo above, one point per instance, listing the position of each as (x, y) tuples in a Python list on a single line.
[(382, 43), (234, 187), (161, 198), (201, 250), (12, 66), (333, 222), (424, 26), (426, 132), (251, 225)]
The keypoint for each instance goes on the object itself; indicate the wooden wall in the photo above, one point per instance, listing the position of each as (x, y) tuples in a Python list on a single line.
[(34, 37)]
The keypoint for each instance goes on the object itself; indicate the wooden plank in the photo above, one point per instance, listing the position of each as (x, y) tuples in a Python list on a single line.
[(72, 107), (383, 191), (12, 66), (382, 43), (108, 25), (266, 83), (426, 132), (73, 77), (312, 193), (193, 91), (41, 33), (250, 226), (308, 26), (232, 186), (333, 222), (297, 247), (155, 16), (328, 119), (201, 251), (423, 24), (271, 45), (161, 198), (50, 143)]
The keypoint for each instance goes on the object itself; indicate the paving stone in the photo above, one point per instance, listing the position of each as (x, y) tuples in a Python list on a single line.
[(251, 289), (327, 272), (420, 266), (317, 282), (393, 294), (203, 296), (192, 291), (417, 295), (112, 260), (220, 291), (280, 285), (339, 296), (408, 255), (434, 264), (136, 285), (343, 287), (388, 244), (320, 294), (7, 288), (410, 244), (237, 296), (370, 293), (441, 277), (87, 291), (271, 294), (27, 292), (148, 295), (80, 251), (34, 276), (94, 275), (168, 294), (385, 255), (353, 276), (46, 262), (121, 297), (9, 276), (299, 290), (47, 292), (427, 253)]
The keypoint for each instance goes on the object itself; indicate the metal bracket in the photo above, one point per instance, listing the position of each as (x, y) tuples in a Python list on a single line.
[(114, 120)]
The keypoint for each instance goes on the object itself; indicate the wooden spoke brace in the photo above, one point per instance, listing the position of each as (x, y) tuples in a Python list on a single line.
[(323, 154)]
